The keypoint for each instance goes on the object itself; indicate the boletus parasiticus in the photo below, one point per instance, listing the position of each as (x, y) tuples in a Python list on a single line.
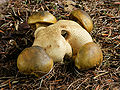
[(34, 60), (82, 18), (63, 38), (41, 19), (89, 56)]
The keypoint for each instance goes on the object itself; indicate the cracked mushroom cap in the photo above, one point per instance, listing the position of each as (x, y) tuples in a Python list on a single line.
[(83, 19), (57, 39)]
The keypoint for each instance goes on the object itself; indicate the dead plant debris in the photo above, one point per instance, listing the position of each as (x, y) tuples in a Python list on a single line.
[(16, 34)]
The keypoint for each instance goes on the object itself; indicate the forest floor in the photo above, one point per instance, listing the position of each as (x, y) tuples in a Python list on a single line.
[(16, 35)]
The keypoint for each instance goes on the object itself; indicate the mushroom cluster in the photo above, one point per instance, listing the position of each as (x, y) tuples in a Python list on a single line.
[(56, 39)]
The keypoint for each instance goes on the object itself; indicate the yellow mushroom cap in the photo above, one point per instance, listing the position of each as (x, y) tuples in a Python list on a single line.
[(42, 17), (89, 56), (34, 59), (82, 18)]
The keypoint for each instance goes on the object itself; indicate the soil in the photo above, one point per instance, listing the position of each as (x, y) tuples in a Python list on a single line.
[(16, 35)]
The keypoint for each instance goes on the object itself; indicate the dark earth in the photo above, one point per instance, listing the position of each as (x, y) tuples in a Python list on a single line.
[(16, 35)]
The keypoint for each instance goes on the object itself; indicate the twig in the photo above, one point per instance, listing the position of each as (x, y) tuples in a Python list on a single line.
[(82, 83), (7, 83), (117, 45), (72, 84), (3, 78), (100, 75)]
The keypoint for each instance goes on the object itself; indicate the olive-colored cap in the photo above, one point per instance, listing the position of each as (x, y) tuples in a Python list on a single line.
[(34, 60), (89, 56), (42, 17), (82, 18)]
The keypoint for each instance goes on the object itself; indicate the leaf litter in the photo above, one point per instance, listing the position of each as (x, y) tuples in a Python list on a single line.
[(16, 34)]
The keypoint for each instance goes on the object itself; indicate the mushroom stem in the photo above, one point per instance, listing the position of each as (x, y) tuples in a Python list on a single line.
[(41, 25)]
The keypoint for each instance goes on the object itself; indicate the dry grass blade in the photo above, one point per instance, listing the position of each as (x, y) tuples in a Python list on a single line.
[(100, 75)]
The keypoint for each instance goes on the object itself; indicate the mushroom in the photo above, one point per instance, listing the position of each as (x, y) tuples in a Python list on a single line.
[(89, 56), (41, 19), (57, 39), (83, 19), (53, 42), (34, 60)]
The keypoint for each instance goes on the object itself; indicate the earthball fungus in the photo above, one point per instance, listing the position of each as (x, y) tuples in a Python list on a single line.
[(89, 56), (34, 60), (51, 40), (83, 19), (60, 38), (41, 19)]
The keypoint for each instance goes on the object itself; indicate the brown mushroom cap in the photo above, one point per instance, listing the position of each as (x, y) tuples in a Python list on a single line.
[(42, 17), (82, 18), (89, 56), (34, 60)]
